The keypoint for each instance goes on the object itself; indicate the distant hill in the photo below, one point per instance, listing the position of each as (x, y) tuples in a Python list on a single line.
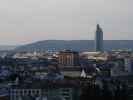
[(78, 45), (6, 47)]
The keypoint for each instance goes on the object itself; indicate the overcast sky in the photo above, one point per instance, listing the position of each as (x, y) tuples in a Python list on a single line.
[(26, 21)]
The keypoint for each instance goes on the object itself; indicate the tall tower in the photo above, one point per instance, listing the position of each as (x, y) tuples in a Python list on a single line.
[(99, 39)]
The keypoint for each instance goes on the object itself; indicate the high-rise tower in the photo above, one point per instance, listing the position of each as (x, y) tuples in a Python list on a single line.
[(99, 39)]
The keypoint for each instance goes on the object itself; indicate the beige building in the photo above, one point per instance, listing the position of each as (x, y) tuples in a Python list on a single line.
[(68, 58)]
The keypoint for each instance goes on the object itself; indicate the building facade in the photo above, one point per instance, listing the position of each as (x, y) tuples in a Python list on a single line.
[(99, 39), (68, 58), (41, 94)]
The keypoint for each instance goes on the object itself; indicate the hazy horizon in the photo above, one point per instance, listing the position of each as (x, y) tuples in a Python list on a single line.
[(27, 21), (56, 40)]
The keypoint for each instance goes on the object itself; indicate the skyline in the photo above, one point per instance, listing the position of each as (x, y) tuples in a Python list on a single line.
[(28, 21)]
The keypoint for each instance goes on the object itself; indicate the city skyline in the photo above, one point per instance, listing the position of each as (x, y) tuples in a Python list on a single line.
[(27, 21)]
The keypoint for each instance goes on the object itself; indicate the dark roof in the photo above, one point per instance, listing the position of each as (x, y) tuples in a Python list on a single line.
[(44, 84), (68, 51)]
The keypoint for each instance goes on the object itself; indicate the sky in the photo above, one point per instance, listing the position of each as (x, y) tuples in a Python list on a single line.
[(27, 21)]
